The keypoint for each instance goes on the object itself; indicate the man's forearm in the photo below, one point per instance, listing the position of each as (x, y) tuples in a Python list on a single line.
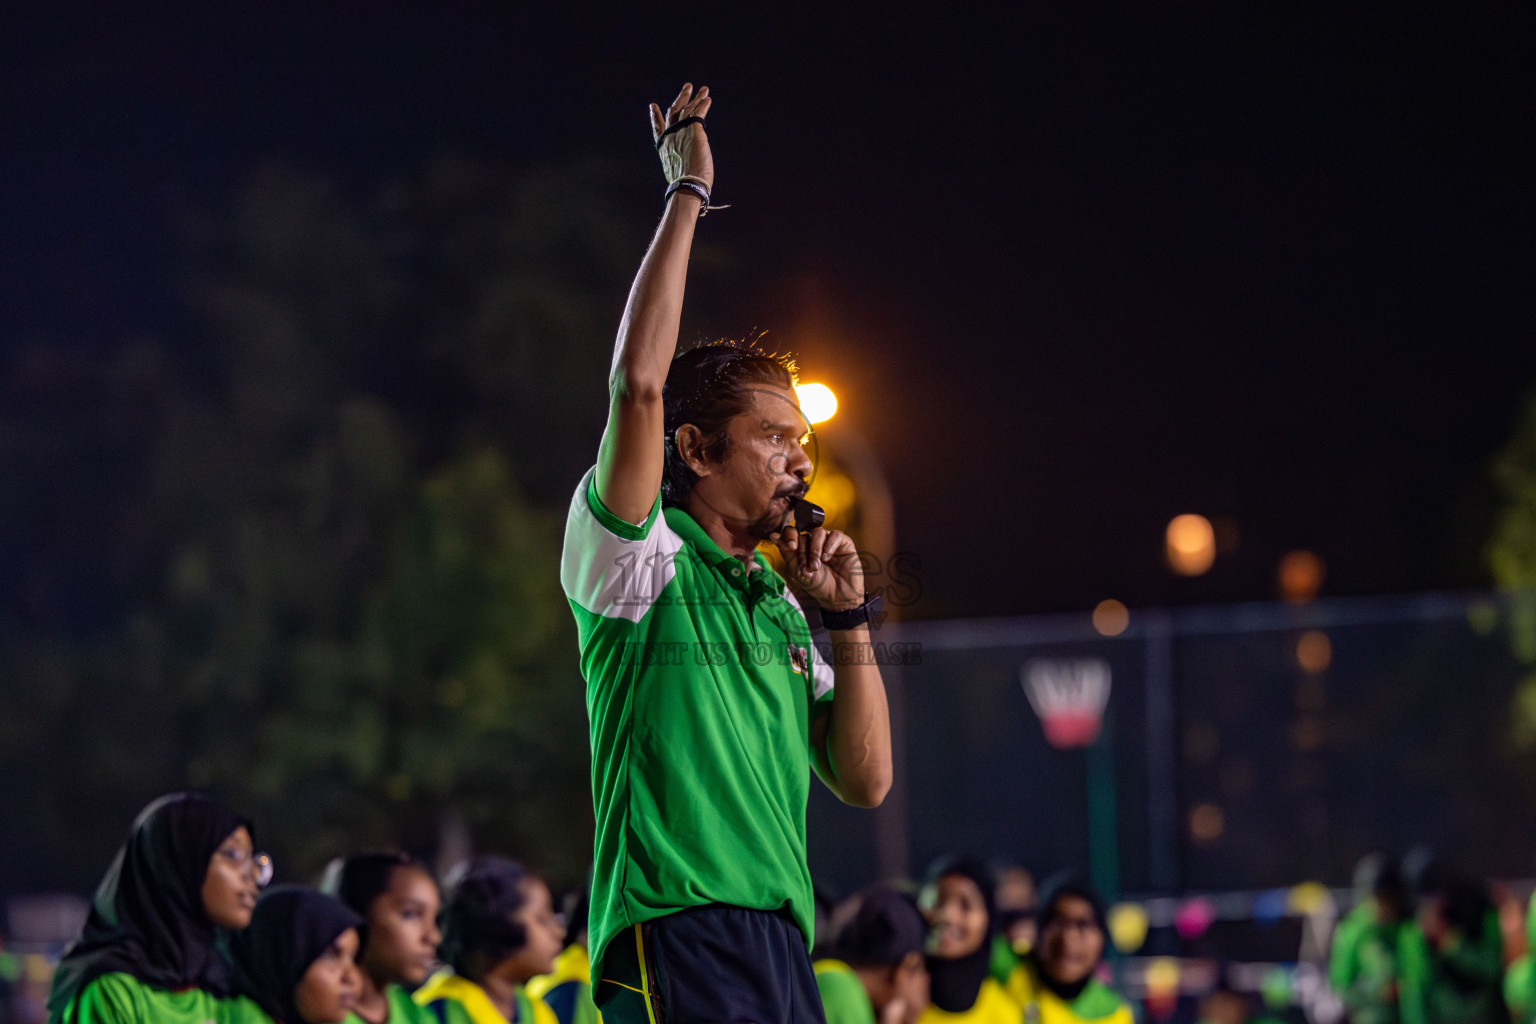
[(858, 746), (631, 457), (648, 333)]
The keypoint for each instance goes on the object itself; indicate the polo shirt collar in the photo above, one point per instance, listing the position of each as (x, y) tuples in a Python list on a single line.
[(686, 527)]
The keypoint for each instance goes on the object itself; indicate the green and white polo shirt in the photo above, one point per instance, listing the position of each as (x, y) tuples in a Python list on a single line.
[(702, 682)]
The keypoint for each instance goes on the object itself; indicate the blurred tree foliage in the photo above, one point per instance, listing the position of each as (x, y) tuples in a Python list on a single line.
[(303, 548), (1512, 557)]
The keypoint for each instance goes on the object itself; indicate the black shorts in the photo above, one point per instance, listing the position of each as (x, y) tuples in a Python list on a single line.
[(715, 963)]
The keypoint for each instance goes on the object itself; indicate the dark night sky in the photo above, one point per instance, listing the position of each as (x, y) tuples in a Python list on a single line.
[(1074, 271)]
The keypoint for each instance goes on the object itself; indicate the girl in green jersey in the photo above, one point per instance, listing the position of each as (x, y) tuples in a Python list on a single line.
[(149, 949), (1058, 981), (397, 898), (1451, 956)]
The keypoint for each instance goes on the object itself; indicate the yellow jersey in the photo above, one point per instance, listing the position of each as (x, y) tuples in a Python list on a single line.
[(1096, 1004), (992, 1006)]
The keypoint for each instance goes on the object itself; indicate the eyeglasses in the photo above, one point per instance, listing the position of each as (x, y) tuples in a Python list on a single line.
[(257, 865)]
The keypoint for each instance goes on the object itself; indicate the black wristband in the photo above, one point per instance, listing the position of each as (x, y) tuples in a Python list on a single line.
[(853, 616), (686, 186)]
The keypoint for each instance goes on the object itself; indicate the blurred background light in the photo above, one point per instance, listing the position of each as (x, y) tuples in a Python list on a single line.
[(1314, 651), (1309, 899), (1191, 542), (1207, 823), (1269, 906), (1301, 576), (1128, 926), (1194, 918), (1110, 617), (817, 402)]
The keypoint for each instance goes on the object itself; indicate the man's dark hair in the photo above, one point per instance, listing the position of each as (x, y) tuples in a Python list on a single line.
[(708, 386), (476, 919)]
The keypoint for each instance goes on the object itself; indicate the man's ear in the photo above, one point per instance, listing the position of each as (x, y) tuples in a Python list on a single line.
[(690, 446)]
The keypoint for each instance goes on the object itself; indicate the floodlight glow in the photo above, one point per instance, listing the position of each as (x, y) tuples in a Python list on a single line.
[(817, 402)]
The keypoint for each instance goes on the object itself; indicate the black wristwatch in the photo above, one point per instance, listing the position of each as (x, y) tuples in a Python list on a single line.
[(853, 616)]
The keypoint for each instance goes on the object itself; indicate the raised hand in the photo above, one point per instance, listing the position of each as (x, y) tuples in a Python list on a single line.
[(684, 152)]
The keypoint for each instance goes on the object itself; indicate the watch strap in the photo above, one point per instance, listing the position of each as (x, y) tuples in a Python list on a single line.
[(853, 616)]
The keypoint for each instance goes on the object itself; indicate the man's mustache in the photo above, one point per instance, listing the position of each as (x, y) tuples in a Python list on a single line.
[(795, 491)]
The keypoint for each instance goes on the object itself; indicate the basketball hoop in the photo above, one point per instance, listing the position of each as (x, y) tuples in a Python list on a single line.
[(1069, 696)]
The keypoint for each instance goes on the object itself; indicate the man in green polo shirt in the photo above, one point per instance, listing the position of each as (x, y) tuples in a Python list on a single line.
[(709, 702)]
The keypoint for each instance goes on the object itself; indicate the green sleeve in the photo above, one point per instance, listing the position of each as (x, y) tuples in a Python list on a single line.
[(1413, 975), (1099, 1002), (1004, 960), (119, 998), (109, 999), (1477, 961), (1362, 967), (242, 1010), (405, 1010), (1342, 963), (1517, 989), (843, 998), (446, 1011)]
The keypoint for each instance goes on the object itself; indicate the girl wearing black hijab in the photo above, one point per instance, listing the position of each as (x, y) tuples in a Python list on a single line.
[(1058, 983), (149, 949), (958, 902), (297, 960), (397, 898)]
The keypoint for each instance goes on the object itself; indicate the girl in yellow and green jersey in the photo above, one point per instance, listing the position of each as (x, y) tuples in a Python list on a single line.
[(957, 901), (149, 949), (1057, 981), (499, 932), (397, 898)]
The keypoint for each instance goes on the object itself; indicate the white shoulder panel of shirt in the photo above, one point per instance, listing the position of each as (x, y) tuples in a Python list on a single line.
[(609, 575)]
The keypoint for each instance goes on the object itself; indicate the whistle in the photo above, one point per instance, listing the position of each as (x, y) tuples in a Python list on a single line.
[(808, 515)]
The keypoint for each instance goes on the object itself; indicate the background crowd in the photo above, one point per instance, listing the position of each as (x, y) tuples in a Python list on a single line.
[(185, 926)]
